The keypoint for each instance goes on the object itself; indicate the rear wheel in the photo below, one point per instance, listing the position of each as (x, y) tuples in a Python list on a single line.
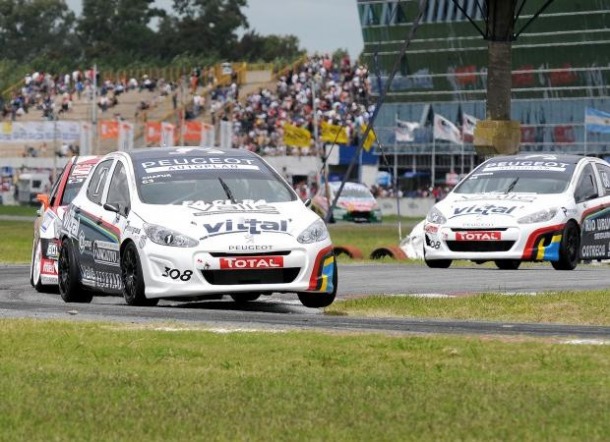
[(70, 287), (133, 278), (508, 264), (568, 248), (319, 300)]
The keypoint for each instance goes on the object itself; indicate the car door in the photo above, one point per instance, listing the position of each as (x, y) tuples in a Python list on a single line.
[(595, 243), (590, 197), (94, 232), (115, 208)]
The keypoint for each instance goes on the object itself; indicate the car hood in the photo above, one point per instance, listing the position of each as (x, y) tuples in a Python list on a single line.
[(212, 220), (357, 205), (487, 210)]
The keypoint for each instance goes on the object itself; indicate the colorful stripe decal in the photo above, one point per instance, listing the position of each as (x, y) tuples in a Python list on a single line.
[(323, 272), (550, 252), (111, 232)]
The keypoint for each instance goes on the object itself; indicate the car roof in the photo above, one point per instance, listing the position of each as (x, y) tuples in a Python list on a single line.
[(564, 158), (188, 151)]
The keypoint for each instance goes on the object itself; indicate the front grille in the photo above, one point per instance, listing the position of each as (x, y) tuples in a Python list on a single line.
[(241, 255), (360, 216), (251, 276), (480, 246)]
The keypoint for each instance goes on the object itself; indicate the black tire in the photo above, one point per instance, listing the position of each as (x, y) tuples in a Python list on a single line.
[(68, 275), (243, 298), (438, 263), (320, 300), (133, 278), (508, 264), (568, 248)]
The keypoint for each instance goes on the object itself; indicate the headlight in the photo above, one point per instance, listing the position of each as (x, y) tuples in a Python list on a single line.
[(168, 237), (315, 233), (435, 216), (538, 217)]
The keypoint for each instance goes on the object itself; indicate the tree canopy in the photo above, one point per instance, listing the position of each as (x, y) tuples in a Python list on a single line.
[(117, 33)]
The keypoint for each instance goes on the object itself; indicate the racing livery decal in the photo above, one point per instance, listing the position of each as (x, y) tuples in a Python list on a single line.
[(323, 272), (251, 226), (595, 238)]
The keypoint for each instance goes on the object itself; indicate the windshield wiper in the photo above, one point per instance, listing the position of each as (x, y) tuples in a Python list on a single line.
[(227, 190), (512, 185)]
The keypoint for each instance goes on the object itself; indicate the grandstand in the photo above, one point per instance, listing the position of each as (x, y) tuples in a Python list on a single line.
[(560, 67)]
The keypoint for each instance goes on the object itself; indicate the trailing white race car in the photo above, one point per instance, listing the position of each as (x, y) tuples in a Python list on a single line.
[(528, 207), (45, 247), (193, 223)]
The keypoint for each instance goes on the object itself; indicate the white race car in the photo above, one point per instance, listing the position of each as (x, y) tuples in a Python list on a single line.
[(192, 223), (45, 247), (524, 208)]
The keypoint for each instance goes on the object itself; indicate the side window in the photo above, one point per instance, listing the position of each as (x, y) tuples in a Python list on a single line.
[(118, 190), (604, 174), (586, 188), (53, 193), (98, 180)]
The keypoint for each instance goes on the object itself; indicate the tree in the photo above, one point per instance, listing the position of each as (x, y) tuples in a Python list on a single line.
[(118, 29), (34, 28), (254, 47), (205, 26)]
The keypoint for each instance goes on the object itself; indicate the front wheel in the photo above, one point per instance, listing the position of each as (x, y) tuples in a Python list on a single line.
[(133, 278), (35, 271), (438, 263), (568, 248), (507, 264), (68, 275), (320, 300), (243, 298)]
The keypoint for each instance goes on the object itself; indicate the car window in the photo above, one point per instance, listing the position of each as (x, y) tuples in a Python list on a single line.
[(53, 193), (118, 189), (96, 185), (604, 174), (186, 180), (586, 188), (527, 176)]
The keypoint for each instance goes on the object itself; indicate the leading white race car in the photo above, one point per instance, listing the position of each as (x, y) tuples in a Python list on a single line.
[(524, 208), (192, 223)]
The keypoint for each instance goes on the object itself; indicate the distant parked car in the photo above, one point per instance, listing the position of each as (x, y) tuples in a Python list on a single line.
[(525, 207), (45, 247), (356, 203)]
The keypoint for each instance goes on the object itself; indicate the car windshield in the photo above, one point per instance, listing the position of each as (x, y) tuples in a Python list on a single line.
[(160, 183), (500, 177)]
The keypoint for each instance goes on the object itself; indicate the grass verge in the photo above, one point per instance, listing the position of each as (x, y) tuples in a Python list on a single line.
[(16, 244), (91, 381), (584, 308)]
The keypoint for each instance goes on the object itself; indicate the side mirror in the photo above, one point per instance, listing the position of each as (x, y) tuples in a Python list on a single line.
[(111, 207), (43, 198), (307, 202)]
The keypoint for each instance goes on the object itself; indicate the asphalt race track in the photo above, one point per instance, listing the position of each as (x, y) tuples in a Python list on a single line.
[(19, 300)]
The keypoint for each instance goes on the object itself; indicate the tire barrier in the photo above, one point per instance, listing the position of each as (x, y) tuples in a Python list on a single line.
[(351, 251), (391, 251)]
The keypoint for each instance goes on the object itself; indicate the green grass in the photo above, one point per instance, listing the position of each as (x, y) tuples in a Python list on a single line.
[(368, 237), (586, 307), (90, 381), (19, 210), (16, 244)]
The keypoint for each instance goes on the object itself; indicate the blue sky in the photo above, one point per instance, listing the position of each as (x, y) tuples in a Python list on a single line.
[(320, 25)]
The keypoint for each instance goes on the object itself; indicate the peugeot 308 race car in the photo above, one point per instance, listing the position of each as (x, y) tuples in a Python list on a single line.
[(190, 223), (524, 207)]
